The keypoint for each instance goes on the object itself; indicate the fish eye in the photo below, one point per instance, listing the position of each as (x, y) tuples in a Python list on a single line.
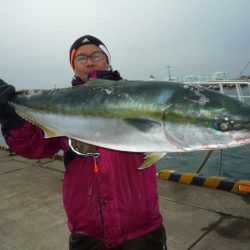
[(223, 124)]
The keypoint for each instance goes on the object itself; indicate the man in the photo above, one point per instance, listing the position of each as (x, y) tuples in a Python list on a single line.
[(110, 204)]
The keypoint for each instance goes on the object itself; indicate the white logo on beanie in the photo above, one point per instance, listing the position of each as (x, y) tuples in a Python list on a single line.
[(85, 40)]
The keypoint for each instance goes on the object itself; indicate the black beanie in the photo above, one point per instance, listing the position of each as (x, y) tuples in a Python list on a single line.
[(84, 40)]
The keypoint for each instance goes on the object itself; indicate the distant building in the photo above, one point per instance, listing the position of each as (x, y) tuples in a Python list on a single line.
[(197, 78), (220, 76), (203, 78), (190, 78)]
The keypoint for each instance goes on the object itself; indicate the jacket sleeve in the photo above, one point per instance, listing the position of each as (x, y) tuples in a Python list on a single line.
[(28, 141)]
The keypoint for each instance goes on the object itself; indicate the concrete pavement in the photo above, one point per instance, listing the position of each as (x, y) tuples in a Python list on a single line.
[(32, 215)]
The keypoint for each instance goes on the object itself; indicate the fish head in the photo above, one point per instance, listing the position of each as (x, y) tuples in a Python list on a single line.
[(233, 122), (201, 119)]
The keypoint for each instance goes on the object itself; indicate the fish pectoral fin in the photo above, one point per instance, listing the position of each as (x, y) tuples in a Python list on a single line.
[(150, 159), (141, 124)]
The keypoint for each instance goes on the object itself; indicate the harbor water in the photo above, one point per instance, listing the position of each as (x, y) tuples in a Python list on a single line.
[(2, 141), (233, 163)]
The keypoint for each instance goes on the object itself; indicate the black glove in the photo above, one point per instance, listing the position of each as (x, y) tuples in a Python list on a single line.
[(8, 116)]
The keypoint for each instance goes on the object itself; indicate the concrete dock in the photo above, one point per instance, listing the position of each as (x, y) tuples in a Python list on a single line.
[(32, 215)]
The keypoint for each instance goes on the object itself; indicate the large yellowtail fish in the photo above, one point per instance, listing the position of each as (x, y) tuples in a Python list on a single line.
[(152, 117)]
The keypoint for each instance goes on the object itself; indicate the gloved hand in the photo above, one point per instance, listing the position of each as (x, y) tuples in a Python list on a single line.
[(8, 116)]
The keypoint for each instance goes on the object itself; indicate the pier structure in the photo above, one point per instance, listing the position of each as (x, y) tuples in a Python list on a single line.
[(33, 217)]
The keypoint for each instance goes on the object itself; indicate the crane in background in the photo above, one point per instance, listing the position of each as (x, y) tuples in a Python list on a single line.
[(241, 73)]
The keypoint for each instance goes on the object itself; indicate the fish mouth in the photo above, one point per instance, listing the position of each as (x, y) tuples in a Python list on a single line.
[(241, 137), (235, 138)]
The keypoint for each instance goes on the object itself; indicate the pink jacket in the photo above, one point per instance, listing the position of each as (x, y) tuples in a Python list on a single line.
[(116, 204)]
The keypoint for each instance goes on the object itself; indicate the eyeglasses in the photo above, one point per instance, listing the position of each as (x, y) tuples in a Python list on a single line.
[(82, 59)]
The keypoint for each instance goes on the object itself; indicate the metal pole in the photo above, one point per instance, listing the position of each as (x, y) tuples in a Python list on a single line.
[(169, 76), (205, 161), (220, 165)]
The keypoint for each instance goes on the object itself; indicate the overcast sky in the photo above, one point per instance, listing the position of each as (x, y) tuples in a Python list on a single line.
[(143, 37)]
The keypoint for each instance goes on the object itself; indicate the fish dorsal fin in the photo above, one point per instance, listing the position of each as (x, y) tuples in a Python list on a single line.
[(150, 159), (95, 81)]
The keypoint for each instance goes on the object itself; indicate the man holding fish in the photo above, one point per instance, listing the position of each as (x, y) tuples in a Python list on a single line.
[(110, 204)]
